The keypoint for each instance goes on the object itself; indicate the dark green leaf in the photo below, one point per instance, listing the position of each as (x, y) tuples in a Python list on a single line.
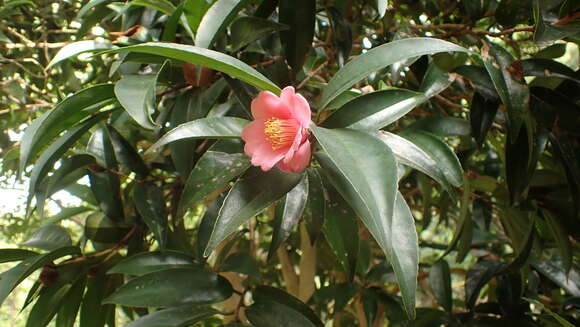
[(293, 207), (65, 114), (300, 16), (144, 263), (215, 20), (150, 203), (219, 165), (509, 13), (441, 153), (172, 287), (207, 58), (481, 116), (174, 317), (249, 196), (380, 57), (440, 281), (443, 126), (49, 237), (126, 154), (375, 110), (268, 314), (194, 11), (364, 172), (93, 312), (341, 34), (9, 255), (477, 277), (315, 211), (480, 79), (102, 229), (218, 127), (75, 48), (71, 304), (341, 232), (164, 6), (242, 263), (561, 236), (268, 294), (553, 268), (548, 68), (11, 278), (246, 30)]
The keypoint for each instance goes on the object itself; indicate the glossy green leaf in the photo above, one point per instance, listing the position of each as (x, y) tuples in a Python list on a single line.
[(375, 110), (215, 20), (249, 196), (508, 80), (562, 238), (150, 203), (93, 312), (181, 316), (246, 30), (9, 255), (206, 225), (172, 287), (71, 304), (364, 172), (293, 207), (477, 277), (440, 282), (164, 6), (443, 126), (380, 57), (411, 155), (269, 294), (217, 127), (268, 314), (315, 211), (548, 68), (194, 11), (105, 185), (136, 93), (126, 154), (75, 48), (300, 16), (14, 276), (553, 268), (441, 153), (435, 80), (480, 80), (207, 58), (56, 150), (102, 229), (219, 165), (144, 263), (341, 232), (66, 114), (49, 237), (481, 116)]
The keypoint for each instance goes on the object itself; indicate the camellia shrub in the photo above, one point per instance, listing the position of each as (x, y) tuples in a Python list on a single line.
[(293, 162)]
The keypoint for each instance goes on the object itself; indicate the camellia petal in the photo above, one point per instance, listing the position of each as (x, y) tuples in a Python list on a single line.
[(279, 134)]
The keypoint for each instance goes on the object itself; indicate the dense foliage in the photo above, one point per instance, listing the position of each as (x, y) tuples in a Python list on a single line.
[(444, 187)]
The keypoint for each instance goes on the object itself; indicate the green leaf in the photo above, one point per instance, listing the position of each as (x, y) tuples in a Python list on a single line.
[(512, 89), (440, 282), (553, 268), (172, 287), (215, 20), (411, 155), (150, 203), (216, 127), (11, 278), (136, 93), (341, 35), (477, 277), (207, 58), (511, 12), (71, 304), (242, 263), (246, 30), (563, 322), (375, 110), (194, 11), (441, 153), (164, 6), (49, 237), (364, 171), (174, 317), (268, 314), (219, 165), (481, 116), (105, 185), (249, 196), (435, 80), (442, 126), (300, 16), (315, 211), (341, 232), (127, 154), (561, 236), (66, 114), (170, 28), (56, 150), (75, 48), (548, 68), (144, 263), (381, 57), (102, 229), (93, 312), (267, 294), (293, 207), (9, 255)]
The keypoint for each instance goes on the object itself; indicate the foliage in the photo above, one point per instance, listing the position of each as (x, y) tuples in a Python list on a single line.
[(444, 187)]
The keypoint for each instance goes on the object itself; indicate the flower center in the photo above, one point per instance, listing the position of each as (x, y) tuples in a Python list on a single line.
[(280, 132)]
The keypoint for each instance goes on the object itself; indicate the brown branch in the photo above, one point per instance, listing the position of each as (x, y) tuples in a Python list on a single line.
[(565, 20), (467, 29)]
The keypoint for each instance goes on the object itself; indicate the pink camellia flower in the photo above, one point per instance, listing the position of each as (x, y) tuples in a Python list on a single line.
[(279, 133)]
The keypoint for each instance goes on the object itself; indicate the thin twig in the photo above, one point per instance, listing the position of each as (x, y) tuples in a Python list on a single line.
[(312, 74)]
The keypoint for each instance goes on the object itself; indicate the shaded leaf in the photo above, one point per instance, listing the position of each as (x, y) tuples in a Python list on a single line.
[(49, 237), (75, 48), (150, 203), (267, 294), (144, 263), (440, 282), (174, 317), (300, 16), (246, 30)]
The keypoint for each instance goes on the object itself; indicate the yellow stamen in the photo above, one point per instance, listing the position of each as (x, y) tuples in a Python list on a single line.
[(280, 132)]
